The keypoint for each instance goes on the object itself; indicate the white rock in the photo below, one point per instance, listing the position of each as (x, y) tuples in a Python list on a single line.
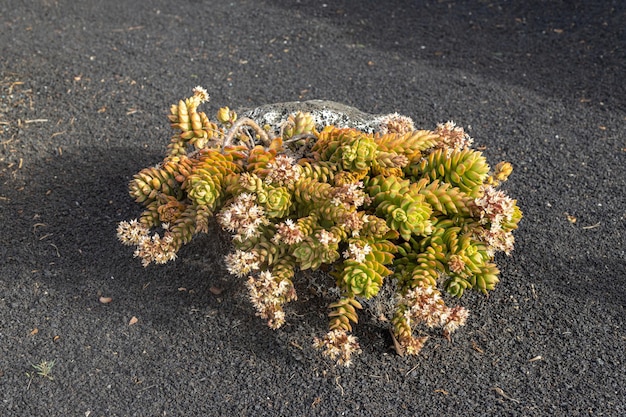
[(324, 113)]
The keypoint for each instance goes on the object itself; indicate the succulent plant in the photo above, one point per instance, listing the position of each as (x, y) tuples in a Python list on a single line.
[(415, 209)]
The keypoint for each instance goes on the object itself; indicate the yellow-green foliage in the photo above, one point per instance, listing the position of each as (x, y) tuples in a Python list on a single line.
[(417, 207)]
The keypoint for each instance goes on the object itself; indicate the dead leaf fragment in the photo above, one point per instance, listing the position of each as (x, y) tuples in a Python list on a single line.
[(476, 347), (133, 320), (501, 392), (396, 345), (216, 290), (105, 300)]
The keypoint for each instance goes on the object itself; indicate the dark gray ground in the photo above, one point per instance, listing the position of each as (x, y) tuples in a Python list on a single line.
[(84, 91)]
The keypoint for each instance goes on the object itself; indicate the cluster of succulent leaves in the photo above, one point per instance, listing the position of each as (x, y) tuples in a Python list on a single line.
[(418, 217)]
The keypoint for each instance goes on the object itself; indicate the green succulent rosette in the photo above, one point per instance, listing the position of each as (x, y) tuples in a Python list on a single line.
[(275, 200), (360, 279)]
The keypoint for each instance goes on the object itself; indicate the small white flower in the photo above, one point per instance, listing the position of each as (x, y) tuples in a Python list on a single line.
[(283, 170), (356, 252), (241, 263), (326, 238), (288, 232), (201, 94)]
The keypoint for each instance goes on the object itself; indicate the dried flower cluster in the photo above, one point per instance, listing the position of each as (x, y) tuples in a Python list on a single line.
[(423, 304), (338, 345), (150, 248), (268, 294), (416, 208)]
